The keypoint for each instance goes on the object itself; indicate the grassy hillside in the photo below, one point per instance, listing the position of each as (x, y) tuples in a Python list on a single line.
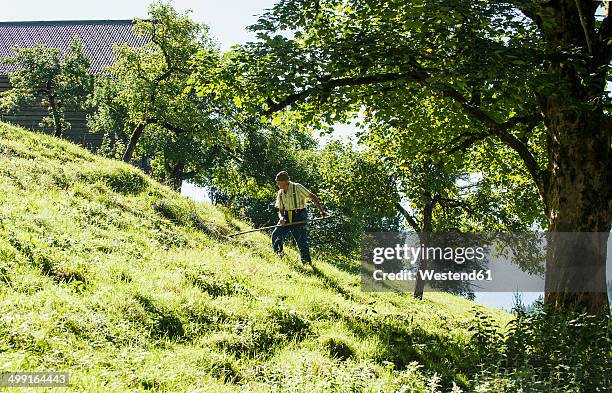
[(129, 286)]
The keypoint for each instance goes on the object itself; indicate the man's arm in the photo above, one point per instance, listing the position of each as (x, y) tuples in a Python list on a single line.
[(281, 216), (311, 195), (281, 208)]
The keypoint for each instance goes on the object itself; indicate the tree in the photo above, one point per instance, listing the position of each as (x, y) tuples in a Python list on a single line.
[(512, 67), (59, 80), (440, 196), (183, 156), (408, 173), (145, 95)]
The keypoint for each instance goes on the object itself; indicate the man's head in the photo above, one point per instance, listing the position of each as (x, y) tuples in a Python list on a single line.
[(282, 180)]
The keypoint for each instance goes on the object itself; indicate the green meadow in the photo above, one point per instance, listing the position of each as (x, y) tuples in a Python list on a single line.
[(129, 286)]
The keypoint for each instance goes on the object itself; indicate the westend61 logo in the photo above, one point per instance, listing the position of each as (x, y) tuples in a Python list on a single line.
[(429, 275)]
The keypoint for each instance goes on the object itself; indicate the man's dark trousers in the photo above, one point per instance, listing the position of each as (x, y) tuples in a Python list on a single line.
[(299, 232)]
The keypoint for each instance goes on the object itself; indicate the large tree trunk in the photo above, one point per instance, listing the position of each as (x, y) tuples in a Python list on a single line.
[(578, 189), (578, 202), (136, 133)]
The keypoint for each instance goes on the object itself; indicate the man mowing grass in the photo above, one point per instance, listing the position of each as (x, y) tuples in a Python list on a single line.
[(291, 203)]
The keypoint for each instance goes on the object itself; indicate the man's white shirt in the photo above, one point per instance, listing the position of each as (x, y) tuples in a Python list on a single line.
[(295, 197)]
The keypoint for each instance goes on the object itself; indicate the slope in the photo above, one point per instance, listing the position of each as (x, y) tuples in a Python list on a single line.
[(129, 286)]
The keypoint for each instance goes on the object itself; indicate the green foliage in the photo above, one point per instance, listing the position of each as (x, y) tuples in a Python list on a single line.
[(542, 351), (107, 115), (358, 193), (246, 182), (503, 92), (357, 180), (464, 45), (343, 182), (426, 168), (59, 80), (486, 341), (403, 70)]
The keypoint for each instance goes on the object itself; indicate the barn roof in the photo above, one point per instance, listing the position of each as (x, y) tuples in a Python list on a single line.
[(98, 38)]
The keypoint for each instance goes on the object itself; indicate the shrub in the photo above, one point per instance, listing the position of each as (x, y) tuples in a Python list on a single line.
[(557, 352)]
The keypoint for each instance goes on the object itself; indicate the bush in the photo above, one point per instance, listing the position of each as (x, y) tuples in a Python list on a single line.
[(557, 352)]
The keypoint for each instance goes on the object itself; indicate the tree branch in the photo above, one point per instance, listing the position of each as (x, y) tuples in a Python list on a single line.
[(189, 175), (585, 28), (527, 8), (167, 125), (604, 35), (180, 130), (605, 30), (411, 220), (499, 130), (454, 203), (470, 139), (328, 86)]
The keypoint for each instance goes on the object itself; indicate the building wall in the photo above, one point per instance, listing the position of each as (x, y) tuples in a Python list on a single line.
[(30, 117)]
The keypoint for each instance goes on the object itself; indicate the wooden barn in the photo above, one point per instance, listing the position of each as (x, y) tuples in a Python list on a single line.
[(98, 38)]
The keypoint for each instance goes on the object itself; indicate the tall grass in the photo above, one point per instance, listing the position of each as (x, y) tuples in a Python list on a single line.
[(130, 287)]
